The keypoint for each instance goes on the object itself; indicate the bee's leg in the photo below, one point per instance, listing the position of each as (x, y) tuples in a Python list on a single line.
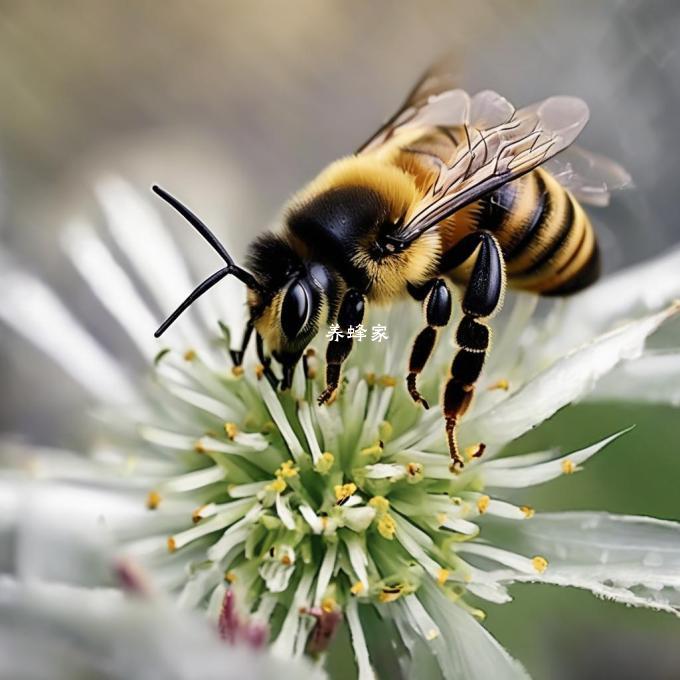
[(436, 298), (266, 362), (482, 298), (237, 355), (351, 314)]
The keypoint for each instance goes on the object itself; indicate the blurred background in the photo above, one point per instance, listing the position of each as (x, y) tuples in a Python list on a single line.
[(234, 105)]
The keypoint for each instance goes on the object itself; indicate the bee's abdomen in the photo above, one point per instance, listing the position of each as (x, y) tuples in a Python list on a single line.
[(547, 239)]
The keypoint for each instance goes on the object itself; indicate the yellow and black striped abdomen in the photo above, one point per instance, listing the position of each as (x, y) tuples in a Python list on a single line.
[(547, 239)]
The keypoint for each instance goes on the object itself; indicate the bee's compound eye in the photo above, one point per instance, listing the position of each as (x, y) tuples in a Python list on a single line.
[(295, 310)]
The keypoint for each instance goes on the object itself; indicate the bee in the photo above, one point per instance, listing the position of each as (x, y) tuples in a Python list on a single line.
[(453, 190)]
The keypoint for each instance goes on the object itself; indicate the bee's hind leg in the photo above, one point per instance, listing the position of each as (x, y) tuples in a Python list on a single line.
[(351, 314), (482, 298), (436, 298)]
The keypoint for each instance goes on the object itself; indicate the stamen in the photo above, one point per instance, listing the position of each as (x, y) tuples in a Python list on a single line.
[(343, 492), (325, 463), (540, 563), (380, 504), (483, 504), (442, 576), (278, 485), (153, 500), (528, 511), (388, 381), (231, 430), (189, 355), (387, 527), (357, 588), (568, 467), (501, 384), (237, 371)]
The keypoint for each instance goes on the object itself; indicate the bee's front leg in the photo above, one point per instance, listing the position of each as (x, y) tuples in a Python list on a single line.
[(351, 314), (436, 298)]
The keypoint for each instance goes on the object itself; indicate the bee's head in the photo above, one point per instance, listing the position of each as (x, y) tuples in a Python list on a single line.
[(288, 297), (294, 297)]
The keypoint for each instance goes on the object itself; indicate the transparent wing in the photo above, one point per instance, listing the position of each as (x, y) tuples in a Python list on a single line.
[(589, 176), (500, 144), (433, 101)]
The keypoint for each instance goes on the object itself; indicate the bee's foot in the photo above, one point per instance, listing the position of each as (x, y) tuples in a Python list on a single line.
[(413, 391), (326, 396)]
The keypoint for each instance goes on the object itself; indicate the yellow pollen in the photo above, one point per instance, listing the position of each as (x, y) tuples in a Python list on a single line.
[(286, 561), (259, 371), (442, 576), (414, 469), (539, 563), (325, 463), (380, 504), (432, 634), (387, 527), (231, 430), (230, 576), (172, 546), (343, 491), (568, 466), (287, 470), (153, 500), (387, 381), (199, 447), (328, 604), (483, 504), (196, 514), (528, 511), (501, 384), (277, 485), (441, 518), (388, 595), (189, 355), (374, 451), (357, 588), (370, 379)]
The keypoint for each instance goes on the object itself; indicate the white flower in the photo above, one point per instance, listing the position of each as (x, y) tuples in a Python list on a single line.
[(303, 514)]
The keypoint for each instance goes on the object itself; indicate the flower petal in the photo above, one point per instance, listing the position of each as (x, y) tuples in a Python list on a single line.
[(565, 381), (654, 378), (464, 649), (635, 560)]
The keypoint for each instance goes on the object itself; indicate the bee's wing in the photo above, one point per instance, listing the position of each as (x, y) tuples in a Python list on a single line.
[(589, 176), (433, 101), (500, 144)]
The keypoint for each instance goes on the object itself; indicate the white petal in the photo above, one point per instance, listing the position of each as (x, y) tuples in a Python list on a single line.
[(34, 311), (359, 642), (643, 288), (64, 633), (635, 560), (654, 378), (358, 519), (284, 512), (525, 476), (465, 649), (358, 557), (565, 381), (111, 285)]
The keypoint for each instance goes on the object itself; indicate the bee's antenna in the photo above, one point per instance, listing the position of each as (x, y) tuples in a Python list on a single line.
[(231, 268)]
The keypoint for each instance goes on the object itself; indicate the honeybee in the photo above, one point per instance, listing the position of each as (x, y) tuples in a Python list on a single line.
[(452, 189)]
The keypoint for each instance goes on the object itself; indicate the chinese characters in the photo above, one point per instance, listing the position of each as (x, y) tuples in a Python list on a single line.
[(378, 333)]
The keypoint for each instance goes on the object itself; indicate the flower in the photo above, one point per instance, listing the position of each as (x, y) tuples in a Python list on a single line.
[(283, 519)]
